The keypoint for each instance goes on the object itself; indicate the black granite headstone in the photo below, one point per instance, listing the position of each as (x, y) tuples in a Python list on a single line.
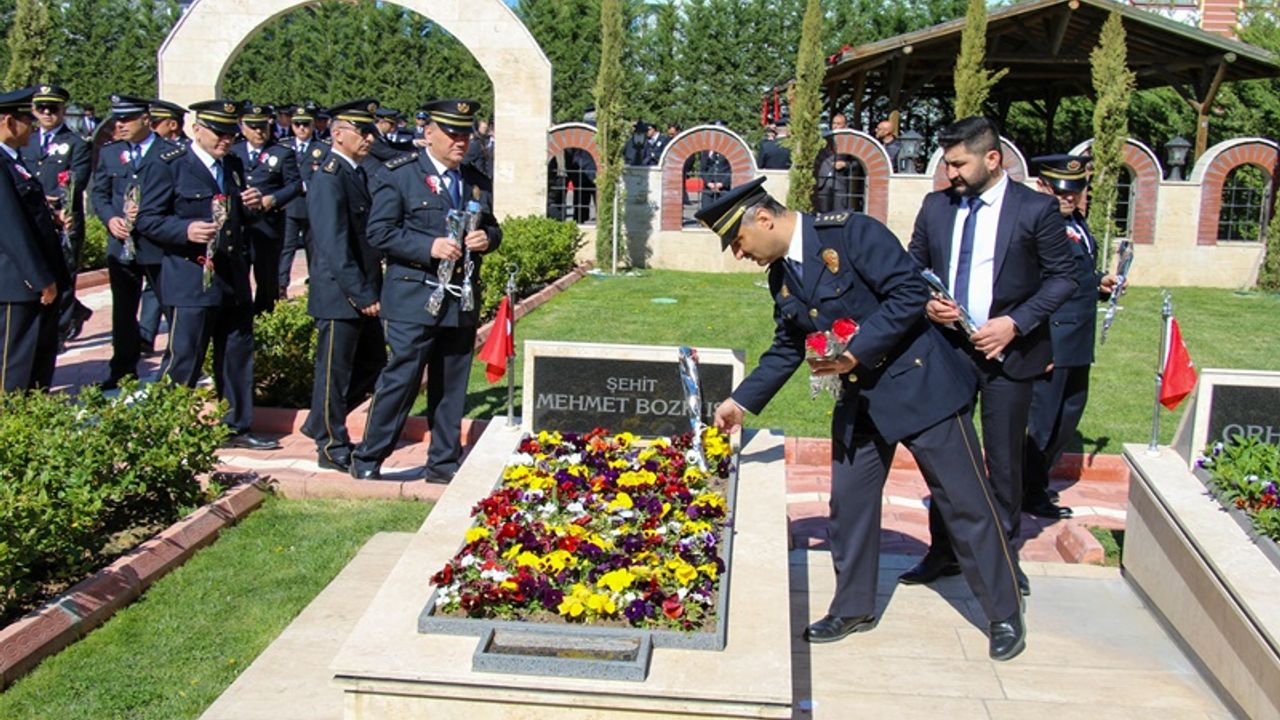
[(1239, 411), (644, 397)]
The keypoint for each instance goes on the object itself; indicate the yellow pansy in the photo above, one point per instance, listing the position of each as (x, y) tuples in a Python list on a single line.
[(477, 533), (621, 502), (682, 571), (601, 604), (528, 559), (617, 580), (511, 552), (557, 560), (709, 569)]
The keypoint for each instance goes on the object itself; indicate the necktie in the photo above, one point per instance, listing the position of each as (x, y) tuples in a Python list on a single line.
[(253, 156), (45, 140), (455, 187), (135, 152), (796, 269), (217, 176), (965, 261)]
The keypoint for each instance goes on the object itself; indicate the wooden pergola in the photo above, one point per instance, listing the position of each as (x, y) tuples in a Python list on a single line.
[(1045, 44)]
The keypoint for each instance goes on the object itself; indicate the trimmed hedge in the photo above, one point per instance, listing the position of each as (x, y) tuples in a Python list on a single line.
[(94, 254), (543, 248), (284, 352), (76, 472)]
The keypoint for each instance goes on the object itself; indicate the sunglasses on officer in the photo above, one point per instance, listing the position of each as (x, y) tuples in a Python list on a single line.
[(301, 123), (47, 108)]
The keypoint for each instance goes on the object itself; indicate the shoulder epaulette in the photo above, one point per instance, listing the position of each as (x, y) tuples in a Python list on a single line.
[(401, 160), (173, 153), (832, 219), (317, 153), (331, 166)]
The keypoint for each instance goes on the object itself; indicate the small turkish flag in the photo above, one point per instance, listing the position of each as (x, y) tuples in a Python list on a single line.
[(500, 345), (1178, 372)]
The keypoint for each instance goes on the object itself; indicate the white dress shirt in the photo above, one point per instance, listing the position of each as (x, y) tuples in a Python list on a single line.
[(208, 160), (982, 263)]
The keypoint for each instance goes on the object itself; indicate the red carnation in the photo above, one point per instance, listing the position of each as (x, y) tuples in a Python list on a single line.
[(817, 342), (64, 177), (844, 328)]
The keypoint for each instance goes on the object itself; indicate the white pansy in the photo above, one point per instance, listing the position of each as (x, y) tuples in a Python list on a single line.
[(521, 459), (574, 507)]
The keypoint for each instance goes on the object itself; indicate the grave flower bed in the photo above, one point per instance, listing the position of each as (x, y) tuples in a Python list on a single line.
[(596, 529), (1246, 475)]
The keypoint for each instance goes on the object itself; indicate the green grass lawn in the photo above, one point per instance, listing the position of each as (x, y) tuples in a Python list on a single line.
[(1222, 329), (171, 653)]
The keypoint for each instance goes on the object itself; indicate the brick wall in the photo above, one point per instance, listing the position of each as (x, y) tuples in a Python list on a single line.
[(1253, 152), (875, 162), (685, 146)]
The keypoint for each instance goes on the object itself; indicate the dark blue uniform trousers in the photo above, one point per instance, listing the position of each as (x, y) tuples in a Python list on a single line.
[(297, 236), (349, 354), (951, 461), (230, 328), (1057, 404), (20, 324), (446, 352), (126, 294)]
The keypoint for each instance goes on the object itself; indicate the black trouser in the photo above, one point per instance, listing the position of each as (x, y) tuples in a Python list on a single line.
[(349, 356), (1057, 404), (266, 244), (230, 327), (126, 294), (19, 332), (951, 462), (1005, 404), (68, 306), (446, 352), (297, 236), (149, 318)]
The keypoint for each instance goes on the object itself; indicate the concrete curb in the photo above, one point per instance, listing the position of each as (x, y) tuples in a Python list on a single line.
[(71, 615), (1077, 545), (91, 279)]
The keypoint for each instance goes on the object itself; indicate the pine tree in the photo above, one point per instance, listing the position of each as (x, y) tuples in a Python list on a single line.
[(569, 33), (30, 42), (611, 130), (973, 81), (1113, 82), (805, 139)]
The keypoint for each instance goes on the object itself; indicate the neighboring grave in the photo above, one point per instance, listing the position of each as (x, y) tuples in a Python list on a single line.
[(577, 387), (1229, 405)]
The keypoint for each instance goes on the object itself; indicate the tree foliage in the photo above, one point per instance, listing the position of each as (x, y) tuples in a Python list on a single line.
[(805, 138), (30, 39), (1113, 82), (973, 81), (611, 129)]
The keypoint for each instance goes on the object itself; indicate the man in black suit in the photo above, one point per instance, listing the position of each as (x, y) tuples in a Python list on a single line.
[(33, 269), (901, 383), (412, 197), (773, 155), (308, 153), (717, 177), (1058, 398), (655, 142), (132, 258), (181, 194), (346, 283), (61, 160), (272, 170), (1001, 248)]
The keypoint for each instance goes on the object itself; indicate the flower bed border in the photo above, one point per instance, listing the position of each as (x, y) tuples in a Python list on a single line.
[(71, 615), (713, 640)]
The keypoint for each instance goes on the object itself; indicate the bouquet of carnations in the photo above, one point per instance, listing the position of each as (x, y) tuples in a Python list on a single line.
[(221, 210), (828, 345), (132, 197)]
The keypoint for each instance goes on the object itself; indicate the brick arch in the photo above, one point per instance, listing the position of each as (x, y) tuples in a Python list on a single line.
[(1014, 163), (1148, 173), (686, 145), (1213, 168), (875, 161), (572, 135)]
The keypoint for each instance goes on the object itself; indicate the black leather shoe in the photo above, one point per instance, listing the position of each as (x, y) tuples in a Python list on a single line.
[(1008, 638), (109, 384), (930, 568), (832, 628), (341, 464), (1045, 508), (438, 478), (147, 348), (1053, 495), (365, 470), (249, 441), (1024, 585), (79, 317)]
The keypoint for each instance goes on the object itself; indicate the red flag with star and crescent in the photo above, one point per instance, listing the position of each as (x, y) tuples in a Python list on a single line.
[(1178, 372), (500, 344)]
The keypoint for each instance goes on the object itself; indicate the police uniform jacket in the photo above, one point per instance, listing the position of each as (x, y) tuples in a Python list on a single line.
[(111, 179), (716, 168), (275, 173), (1073, 325), (308, 163), (907, 378), (410, 207), (67, 151), (773, 156), (30, 254), (653, 150), (177, 190), (346, 274)]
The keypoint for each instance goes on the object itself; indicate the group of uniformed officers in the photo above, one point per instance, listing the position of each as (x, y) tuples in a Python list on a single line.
[(193, 219)]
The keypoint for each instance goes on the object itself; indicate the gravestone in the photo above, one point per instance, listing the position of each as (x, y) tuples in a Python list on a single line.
[(1230, 405), (577, 387)]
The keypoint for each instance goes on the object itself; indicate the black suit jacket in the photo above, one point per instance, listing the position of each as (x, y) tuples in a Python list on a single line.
[(111, 179), (30, 254), (177, 190), (275, 173), (908, 378), (1034, 271), (346, 273)]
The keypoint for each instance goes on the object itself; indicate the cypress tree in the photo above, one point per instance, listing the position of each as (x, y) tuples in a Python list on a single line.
[(611, 129), (1112, 84), (30, 42), (973, 82), (805, 138)]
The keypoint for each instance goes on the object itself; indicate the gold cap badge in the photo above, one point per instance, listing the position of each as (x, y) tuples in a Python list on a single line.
[(464, 107), (228, 107)]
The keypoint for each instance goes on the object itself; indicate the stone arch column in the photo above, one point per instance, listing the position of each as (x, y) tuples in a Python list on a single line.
[(685, 145), (211, 33), (1211, 173), (1014, 163), (875, 161)]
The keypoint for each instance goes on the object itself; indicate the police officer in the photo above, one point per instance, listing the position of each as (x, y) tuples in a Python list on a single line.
[(272, 170), (412, 198), (773, 154), (321, 125), (1058, 398), (166, 120), (390, 142), (308, 154), (717, 176), (132, 258), (902, 383), (61, 160), (345, 288), (33, 268), (179, 195)]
